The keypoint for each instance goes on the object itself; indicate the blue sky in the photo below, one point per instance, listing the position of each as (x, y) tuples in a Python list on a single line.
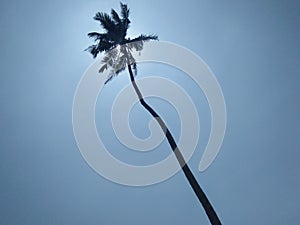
[(251, 46)]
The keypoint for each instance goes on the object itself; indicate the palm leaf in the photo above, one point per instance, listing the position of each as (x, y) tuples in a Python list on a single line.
[(137, 45), (124, 11), (115, 17), (143, 38), (120, 64), (93, 50), (97, 36), (109, 78), (125, 17), (106, 21), (102, 68)]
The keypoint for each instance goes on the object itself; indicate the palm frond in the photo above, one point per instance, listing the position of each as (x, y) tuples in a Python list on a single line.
[(109, 78), (93, 50), (113, 53), (138, 42), (102, 68), (102, 46), (106, 21), (96, 35), (137, 45), (124, 11), (109, 59), (106, 46), (125, 17), (143, 38), (120, 64), (115, 16), (114, 60)]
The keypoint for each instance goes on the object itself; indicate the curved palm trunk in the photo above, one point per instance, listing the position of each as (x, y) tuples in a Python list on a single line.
[(213, 218)]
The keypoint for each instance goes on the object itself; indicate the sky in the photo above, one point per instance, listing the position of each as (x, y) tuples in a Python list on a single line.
[(251, 46)]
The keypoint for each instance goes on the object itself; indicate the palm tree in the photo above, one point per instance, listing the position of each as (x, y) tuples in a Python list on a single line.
[(118, 48)]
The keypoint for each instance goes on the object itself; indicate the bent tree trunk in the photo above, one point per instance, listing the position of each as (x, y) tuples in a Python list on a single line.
[(213, 218)]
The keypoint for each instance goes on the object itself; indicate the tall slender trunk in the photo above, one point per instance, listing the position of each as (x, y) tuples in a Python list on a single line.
[(213, 218)]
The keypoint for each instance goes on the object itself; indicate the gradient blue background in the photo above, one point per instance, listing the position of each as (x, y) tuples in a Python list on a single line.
[(252, 47)]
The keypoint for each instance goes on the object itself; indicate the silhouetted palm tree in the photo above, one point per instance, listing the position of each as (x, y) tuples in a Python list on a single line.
[(118, 48)]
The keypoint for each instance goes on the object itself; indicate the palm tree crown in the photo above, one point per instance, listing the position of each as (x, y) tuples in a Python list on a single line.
[(115, 26)]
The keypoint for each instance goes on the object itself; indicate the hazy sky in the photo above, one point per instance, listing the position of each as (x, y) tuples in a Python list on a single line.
[(252, 47)]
